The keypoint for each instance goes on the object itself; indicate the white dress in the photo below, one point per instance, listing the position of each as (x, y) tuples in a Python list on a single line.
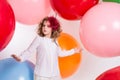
[(47, 56)]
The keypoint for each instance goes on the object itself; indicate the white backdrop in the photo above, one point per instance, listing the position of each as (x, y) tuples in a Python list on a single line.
[(91, 66)]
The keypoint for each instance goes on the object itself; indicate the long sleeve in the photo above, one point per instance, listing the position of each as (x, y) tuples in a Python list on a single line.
[(63, 53), (30, 50)]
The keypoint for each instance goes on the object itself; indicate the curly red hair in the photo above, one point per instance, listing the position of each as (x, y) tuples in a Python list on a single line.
[(54, 23)]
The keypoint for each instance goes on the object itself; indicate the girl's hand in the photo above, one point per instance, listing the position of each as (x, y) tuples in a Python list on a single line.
[(78, 50), (16, 57)]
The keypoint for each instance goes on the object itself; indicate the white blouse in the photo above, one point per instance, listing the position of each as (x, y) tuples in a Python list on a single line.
[(47, 56)]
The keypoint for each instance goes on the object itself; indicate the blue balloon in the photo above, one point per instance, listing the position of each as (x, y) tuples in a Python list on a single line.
[(10, 69)]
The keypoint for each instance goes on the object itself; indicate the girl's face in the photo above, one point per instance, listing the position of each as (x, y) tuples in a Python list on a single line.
[(46, 29)]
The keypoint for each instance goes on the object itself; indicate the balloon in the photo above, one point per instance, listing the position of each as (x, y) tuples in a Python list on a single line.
[(68, 65), (112, 74), (100, 30), (10, 69), (72, 9), (7, 24), (30, 11), (118, 1)]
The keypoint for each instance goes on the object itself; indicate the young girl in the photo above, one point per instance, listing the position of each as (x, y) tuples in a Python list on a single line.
[(47, 49)]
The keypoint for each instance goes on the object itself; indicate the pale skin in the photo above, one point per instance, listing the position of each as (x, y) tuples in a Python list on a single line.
[(47, 31)]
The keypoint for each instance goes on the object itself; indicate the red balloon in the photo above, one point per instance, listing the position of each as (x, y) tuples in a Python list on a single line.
[(112, 74), (72, 9), (7, 24)]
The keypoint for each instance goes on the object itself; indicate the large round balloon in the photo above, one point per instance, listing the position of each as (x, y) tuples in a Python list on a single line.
[(112, 74), (118, 1), (10, 69), (100, 30), (68, 65), (7, 24), (30, 11), (72, 9)]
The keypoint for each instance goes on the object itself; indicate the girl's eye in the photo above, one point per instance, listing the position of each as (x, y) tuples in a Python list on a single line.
[(48, 25), (43, 25)]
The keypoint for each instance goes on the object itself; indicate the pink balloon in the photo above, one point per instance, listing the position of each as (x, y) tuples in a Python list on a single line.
[(100, 30), (30, 11)]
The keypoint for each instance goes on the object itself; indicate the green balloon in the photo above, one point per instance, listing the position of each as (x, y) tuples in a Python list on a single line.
[(118, 1)]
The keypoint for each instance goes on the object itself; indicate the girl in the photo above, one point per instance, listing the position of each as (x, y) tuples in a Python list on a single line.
[(47, 49)]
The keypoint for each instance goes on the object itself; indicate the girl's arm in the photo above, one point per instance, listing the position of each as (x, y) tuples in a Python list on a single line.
[(26, 53), (63, 53)]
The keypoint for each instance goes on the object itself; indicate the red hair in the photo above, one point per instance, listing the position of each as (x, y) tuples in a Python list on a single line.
[(54, 23)]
